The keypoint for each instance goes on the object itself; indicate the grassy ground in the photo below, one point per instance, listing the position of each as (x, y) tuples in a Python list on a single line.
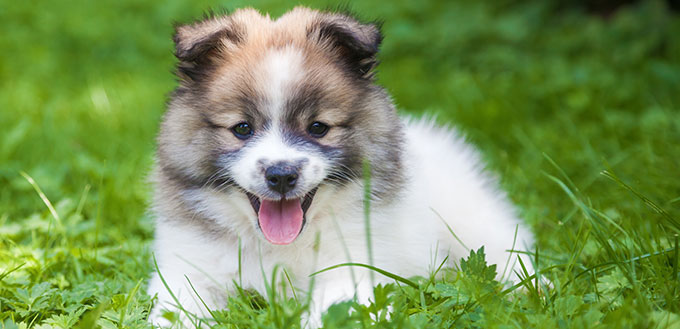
[(578, 114)]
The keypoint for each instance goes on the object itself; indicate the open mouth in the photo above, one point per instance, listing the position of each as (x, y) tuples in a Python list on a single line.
[(281, 221)]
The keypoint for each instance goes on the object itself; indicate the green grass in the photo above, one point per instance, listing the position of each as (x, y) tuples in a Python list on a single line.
[(578, 114)]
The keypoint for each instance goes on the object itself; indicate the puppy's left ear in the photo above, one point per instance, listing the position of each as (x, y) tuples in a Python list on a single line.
[(355, 43)]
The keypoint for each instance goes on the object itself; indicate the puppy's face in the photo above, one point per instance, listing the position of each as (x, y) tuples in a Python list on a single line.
[(273, 111)]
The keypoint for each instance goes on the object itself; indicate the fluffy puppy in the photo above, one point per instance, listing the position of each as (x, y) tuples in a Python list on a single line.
[(266, 148)]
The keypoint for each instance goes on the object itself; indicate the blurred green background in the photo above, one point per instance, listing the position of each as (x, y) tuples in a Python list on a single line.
[(591, 85)]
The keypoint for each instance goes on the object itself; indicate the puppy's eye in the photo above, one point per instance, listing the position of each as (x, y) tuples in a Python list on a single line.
[(242, 130), (317, 129)]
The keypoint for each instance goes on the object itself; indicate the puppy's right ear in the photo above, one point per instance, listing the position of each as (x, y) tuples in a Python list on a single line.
[(354, 42), (199, 44)]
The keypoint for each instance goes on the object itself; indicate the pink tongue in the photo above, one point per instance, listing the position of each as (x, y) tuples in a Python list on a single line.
[(280, 221)]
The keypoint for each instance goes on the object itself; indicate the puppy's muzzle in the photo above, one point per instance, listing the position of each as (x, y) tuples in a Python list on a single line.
[(282, 177)]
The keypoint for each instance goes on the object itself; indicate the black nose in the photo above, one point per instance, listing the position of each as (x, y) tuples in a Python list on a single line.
[(281, 178)]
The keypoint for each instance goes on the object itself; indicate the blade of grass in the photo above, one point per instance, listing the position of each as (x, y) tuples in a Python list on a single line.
[(372, 268), (240, 263), (128, 299), (562, 173), (8, 272), (647, 201), (366, 165), (172, 294), (507, 262), (450, 229), (290, 283), (344, 247), (191, 284), (83, 198), (42, 196)]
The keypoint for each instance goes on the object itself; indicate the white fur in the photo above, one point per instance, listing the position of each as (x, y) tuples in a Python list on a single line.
[(444, 178), (279, 69)]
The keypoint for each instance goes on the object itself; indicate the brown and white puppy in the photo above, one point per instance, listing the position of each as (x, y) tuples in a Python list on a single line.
[(262, 152)]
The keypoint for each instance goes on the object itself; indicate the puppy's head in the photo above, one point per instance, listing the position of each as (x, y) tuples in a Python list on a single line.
[(274, 111)]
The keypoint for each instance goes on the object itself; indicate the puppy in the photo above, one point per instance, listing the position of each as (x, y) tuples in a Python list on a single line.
[(278, 150)]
